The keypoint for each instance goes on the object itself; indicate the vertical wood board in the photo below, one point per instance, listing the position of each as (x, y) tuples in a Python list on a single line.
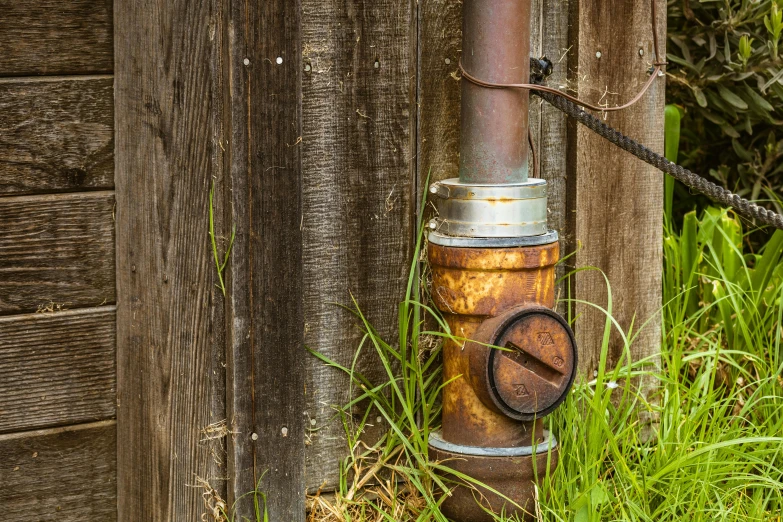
[(266, 394), (618, 198), (167, 359), (359, 189)]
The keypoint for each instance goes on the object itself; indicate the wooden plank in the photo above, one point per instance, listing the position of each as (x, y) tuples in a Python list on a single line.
[(56, 250), (618, 199), (359, 181), (169, 356), (550, 37), (56, 135), (57, 368), (440, 44), (266, 380), (55, 37), (62, 474)]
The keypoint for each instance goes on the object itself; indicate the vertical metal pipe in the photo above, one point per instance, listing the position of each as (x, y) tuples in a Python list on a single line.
[(496, 48)]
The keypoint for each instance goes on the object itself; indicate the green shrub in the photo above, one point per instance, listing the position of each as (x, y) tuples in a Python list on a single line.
[(726, 74)]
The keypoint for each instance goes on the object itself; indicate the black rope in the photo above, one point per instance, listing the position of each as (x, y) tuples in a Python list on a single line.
[(741, 206)]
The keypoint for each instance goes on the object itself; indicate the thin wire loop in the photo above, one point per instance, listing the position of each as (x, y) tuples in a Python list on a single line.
[(657, 70)]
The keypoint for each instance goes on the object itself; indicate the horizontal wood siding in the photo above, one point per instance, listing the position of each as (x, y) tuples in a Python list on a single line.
[(62, 474), (57, 368), (56, 249), (57, 134), (55, 37)]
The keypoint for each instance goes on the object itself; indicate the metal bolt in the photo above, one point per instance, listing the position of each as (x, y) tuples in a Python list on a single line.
[(254, 436), (313, 422), (308, 67), (448, 61), (433, 225), (284, 431), (246, 61), (377, 64), (279, 60), (641, 52), (598, 54)]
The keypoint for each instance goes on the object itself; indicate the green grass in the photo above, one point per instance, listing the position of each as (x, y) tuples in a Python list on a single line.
[(220, 266), (713, 450)]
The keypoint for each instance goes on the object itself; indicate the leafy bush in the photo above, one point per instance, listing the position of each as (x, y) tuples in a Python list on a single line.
[(726, 74)]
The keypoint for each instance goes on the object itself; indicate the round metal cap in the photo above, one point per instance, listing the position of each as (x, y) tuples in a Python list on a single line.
[(533, 367)]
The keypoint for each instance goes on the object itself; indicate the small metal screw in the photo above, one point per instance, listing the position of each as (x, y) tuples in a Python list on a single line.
[(377, 64), (308, 67), (313, 422), (433, 225), (279, 60), (448, 61), (598, 54), (284, 431), (254, 436), (246, 61), (641, 52)]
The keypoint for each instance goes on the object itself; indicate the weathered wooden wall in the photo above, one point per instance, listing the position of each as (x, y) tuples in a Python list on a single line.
[(57, 290), (317, 123)]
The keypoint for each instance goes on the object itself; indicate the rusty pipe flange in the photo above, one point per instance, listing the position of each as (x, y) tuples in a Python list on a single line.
[(533, 367), (512, 474), (490, 210)]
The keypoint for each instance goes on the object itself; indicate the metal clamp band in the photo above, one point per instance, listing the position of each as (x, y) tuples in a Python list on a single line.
[(490, 210), (436, 441)]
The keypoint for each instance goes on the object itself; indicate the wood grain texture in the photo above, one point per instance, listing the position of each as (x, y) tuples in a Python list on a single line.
[(169, 365), (55, 37), (57, 368), (56, 249), (358, 160), (618, 199), (56, 134), (62, 474), (550, 37), (266, 383), (440, 47)]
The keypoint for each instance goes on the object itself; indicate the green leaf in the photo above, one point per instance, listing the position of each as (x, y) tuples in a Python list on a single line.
[(732, 98), (699, 95), (672, 126), (741, 151)]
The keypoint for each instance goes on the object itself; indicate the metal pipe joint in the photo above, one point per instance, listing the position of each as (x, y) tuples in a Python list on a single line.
[(511, 359)]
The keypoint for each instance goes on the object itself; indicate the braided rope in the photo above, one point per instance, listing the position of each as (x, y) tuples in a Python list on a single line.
[(716, 193)]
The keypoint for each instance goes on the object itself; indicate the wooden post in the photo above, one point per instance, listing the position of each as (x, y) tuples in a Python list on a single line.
[(616, 205)]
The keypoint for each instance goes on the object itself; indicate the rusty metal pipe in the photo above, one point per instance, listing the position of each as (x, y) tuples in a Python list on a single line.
[(495, 48), (510, 359)]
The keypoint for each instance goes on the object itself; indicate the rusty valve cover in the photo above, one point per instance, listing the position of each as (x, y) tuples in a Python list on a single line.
[(530, 372)]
